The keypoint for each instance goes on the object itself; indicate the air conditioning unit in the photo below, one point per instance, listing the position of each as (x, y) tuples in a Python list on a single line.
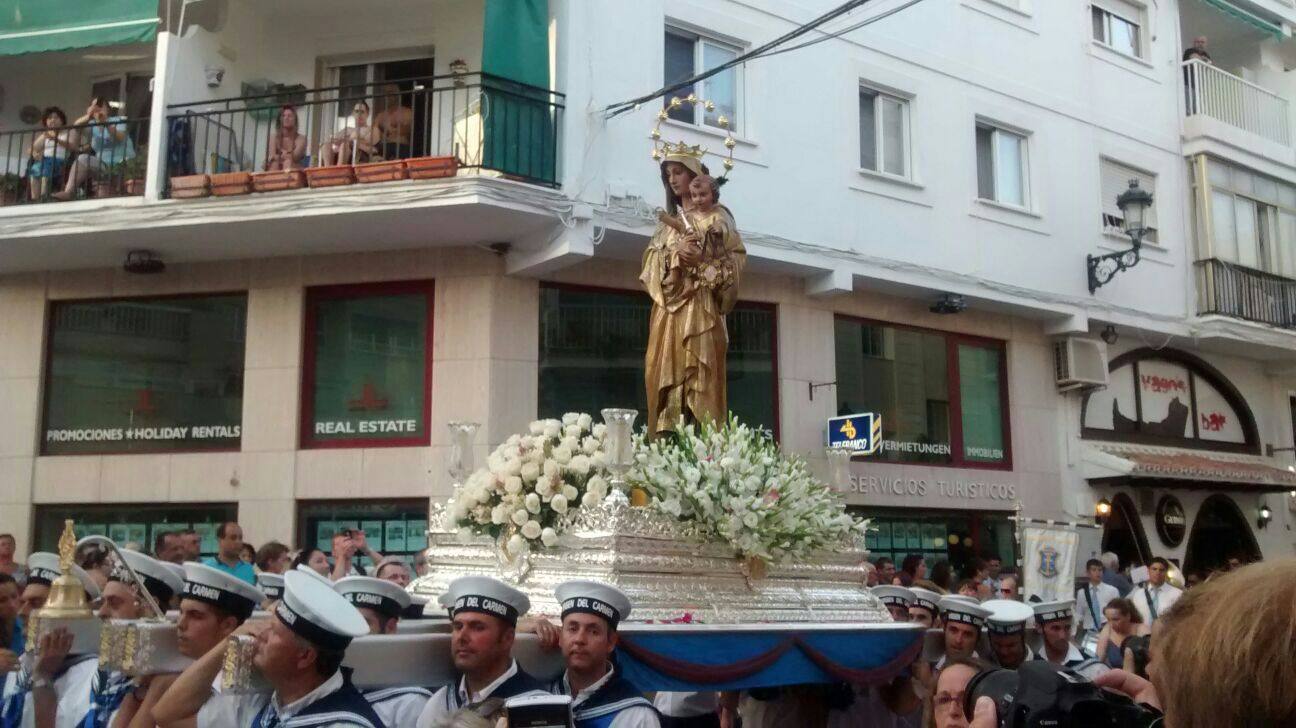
[(1080, 363)]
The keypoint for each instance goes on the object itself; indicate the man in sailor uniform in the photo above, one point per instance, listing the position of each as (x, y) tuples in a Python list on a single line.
[(213, 604), (1055, 624), (271, 585), (601, 697), (963, 619), (122, 600), (47, 676), (484, 615), (897, 600), (925, 609), (299, 651), (1006, 628), (381, 603)]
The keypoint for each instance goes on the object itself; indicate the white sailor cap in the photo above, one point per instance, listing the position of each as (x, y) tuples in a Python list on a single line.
[(955, 608), (43, 568), (894, 596), (926, 598), (582, 596), (415, 609), (380, 595), (1054, 611), (487, 596), (270, 584), (158, 579), (176, 569), (213, 586), (317, 614), (303, 568), (1007, 616)]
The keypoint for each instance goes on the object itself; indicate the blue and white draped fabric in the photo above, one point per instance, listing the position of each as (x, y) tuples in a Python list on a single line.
[(106, 695), (14, 696)]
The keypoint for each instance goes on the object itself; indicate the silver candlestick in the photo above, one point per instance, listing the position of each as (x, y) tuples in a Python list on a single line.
[(619, 443), (460, 463)]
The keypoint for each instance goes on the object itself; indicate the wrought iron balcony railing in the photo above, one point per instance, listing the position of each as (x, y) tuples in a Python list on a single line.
[(1229, 289), (70, 162)]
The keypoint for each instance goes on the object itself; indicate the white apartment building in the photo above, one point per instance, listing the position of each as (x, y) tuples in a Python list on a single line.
[(296, 362)]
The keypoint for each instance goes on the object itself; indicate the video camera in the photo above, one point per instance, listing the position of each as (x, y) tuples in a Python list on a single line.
[(1040, 693)]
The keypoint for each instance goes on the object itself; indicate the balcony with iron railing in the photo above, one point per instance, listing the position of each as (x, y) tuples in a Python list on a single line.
[(1215, 93), (438, 126), (1228, 289)]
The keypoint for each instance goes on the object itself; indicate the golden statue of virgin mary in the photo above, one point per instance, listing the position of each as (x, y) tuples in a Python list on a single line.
[(691, 270)]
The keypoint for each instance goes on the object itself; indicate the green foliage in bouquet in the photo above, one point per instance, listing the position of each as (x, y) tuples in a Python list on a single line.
[(736, 484)]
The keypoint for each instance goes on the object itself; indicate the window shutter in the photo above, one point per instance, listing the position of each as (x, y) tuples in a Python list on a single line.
[(1127, 10), (1115, 180)]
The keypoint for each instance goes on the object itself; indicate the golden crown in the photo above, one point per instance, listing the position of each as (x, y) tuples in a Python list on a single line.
[(663, 149)]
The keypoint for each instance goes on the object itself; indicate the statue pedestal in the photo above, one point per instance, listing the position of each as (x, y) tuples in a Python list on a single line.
[(665, 568)]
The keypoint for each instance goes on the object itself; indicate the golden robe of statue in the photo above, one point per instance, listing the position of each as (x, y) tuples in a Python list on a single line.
[(687, 338)]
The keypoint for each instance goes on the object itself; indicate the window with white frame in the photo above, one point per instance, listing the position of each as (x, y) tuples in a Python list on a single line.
[(1118, 25), (1001, 166), (688, 54), (1114, 180), (1252, 219), (884, 132)]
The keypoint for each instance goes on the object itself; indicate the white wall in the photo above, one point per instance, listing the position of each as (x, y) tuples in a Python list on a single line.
[(797, 163)]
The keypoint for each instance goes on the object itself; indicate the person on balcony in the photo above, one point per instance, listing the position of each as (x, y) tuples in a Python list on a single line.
[(356, 144), (287, 145), (49, 153), (1196, 53), (396, 122), (110, 145)]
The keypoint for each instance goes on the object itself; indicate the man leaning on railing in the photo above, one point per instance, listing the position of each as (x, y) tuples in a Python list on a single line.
[(1196, 53)]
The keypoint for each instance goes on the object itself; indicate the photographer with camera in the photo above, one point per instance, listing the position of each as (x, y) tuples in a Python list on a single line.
[(1209, 668)]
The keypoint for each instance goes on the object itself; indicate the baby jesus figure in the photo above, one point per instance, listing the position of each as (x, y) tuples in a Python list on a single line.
[(698, 225)]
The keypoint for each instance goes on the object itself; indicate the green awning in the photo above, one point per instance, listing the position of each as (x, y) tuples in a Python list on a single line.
[(515, 41), (1246, 16), (37, 26)]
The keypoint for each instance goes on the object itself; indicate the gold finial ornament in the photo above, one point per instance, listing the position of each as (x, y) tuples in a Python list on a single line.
[(67, 598), (664, 150)]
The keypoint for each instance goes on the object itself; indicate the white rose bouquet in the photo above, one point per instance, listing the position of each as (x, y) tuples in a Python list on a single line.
[(736, 484), (533, 482)]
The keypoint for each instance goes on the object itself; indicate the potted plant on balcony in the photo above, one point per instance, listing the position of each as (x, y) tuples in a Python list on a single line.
[(283, 179), (228, 184), (431, 167), (190, 186), (380, 171), (334, 176), (130, 174), (10, 189)]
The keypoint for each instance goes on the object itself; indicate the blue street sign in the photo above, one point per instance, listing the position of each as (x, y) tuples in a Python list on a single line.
[(861, 433)]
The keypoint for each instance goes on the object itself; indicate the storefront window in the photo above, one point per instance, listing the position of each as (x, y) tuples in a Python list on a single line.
[(941, 396), (368, 372), (145, 375), (956, 537), (137, 523), (392, 528), (592, 346)]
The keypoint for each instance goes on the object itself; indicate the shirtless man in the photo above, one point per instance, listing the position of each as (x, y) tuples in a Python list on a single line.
[(396, 122)]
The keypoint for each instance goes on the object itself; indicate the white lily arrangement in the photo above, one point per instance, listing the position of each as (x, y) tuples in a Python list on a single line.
[(738, 487), (533, 482)]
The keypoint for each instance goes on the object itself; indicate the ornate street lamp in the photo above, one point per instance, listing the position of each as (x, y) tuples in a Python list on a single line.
[(1133, 203)]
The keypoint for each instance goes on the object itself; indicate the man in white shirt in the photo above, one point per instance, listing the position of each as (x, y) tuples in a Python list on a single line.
[(1092, 598), (1156, 596), (600, 695)]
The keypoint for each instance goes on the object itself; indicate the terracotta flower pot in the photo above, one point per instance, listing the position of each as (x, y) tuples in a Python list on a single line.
[(291, 179), (135, 187), (380, 171), (329, 176), (190, 186), (431, 167), (228, 184)]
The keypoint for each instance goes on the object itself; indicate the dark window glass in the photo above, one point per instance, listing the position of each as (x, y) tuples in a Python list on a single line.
[(679, 66), (392, 528), (904, 375), (367, 373), (953, 537), (592, 346), (145, 375), (138, 522)]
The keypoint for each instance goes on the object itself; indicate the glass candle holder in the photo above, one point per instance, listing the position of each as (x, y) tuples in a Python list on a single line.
[(619, 442), (838, 468), (460, 462)]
